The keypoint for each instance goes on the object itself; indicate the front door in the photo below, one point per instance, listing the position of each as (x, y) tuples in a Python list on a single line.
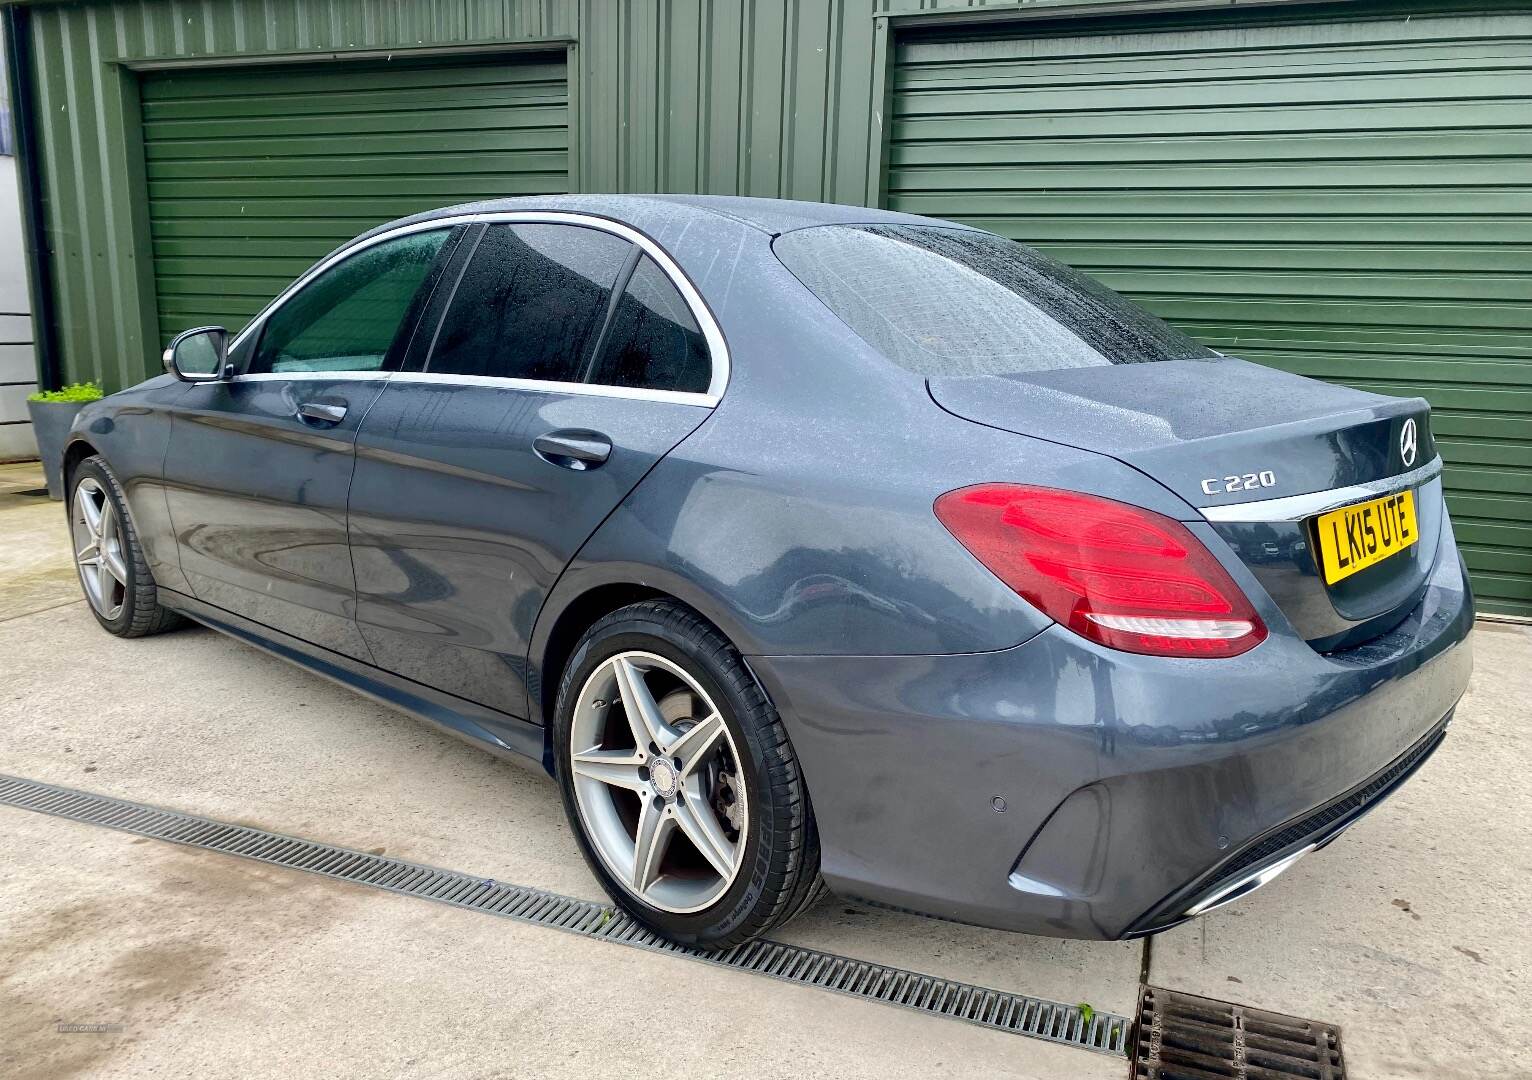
[(541, 404), (259, 466)]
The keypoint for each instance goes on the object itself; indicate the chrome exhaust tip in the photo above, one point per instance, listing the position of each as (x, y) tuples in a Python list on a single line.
[(1244, 886)]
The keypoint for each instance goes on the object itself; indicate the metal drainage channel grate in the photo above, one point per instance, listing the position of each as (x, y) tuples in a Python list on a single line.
[(1185, 1037), (1017, 1014)]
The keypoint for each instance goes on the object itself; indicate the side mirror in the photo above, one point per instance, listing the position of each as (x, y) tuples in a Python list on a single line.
[(200, 355)]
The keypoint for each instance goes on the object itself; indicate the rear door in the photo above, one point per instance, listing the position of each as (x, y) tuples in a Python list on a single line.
[(566, 362), (258, 466)]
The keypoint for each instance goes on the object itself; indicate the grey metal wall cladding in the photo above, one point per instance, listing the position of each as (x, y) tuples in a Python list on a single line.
[(253, 174), (1349, 200)]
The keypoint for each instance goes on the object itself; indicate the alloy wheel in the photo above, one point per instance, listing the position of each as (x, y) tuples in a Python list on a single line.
[(98, 549), (658, 782)]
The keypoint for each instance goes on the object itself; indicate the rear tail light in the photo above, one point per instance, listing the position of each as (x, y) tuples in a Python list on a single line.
[(1117, 574)]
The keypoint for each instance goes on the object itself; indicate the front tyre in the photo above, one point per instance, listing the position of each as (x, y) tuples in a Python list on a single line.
[(680, 782), (114, 573)]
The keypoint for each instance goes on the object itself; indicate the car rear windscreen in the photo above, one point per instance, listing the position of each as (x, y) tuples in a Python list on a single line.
[(942, 301)]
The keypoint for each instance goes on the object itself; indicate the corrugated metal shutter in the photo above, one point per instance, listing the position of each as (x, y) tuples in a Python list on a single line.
[(254, 173), (1348, 200)]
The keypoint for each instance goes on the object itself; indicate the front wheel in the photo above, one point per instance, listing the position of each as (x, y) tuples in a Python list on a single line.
[(680, 782), (114, 572)]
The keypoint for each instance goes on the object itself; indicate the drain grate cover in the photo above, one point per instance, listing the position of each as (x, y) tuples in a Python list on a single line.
[(1185, 1037), (1016, 1014)]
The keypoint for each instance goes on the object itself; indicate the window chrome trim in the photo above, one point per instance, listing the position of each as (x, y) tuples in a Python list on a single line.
[(718, 350), (548, 386), (1298, 507), (312, 376)]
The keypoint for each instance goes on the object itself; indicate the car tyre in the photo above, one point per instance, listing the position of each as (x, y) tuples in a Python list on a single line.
[(750, 780), (114, 573)]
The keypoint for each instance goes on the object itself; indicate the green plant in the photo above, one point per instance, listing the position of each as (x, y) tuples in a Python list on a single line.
[(80, 391), (1087, 1013)]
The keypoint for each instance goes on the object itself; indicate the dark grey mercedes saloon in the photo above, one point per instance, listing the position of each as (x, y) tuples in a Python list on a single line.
[(807, 546)]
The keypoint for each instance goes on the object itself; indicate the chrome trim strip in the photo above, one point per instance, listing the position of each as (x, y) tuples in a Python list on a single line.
[(1298, 507), (718, 350), (313, 376), (1247, 884), (635, 393)]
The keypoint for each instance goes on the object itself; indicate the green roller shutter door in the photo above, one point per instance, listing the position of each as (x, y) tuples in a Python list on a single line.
[(1350, 200), (254, 173)]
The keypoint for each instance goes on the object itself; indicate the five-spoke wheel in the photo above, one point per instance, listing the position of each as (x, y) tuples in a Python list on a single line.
[(113, 567), (656, 777), (679, 779), (98, 548)]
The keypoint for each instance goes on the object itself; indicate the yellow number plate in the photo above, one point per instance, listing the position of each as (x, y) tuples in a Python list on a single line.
[(1355, 537)]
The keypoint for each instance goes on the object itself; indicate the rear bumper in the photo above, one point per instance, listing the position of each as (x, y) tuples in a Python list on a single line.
[(1263, 859), (1133, 787)]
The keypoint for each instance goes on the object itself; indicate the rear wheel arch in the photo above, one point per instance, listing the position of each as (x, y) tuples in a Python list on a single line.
[(553, 648)]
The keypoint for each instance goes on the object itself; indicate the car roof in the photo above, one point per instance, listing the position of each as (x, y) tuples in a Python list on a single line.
[(770, 216), (783, 215)]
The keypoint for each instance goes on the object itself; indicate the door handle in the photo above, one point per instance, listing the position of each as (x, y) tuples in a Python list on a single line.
[(571, 449), (318, 410)]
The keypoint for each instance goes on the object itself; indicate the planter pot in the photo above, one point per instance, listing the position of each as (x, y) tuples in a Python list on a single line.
[(50, 425)]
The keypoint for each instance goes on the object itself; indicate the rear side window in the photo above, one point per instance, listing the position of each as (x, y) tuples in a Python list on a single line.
[(962, 302), (346, 318), (654, 341), (530, 303)]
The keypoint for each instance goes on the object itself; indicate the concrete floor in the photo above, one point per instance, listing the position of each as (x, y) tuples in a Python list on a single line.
[(1410, 932)]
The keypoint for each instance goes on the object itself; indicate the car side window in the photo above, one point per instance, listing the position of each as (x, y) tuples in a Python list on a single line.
[(654, 342), (347, 317), (530, 303)]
